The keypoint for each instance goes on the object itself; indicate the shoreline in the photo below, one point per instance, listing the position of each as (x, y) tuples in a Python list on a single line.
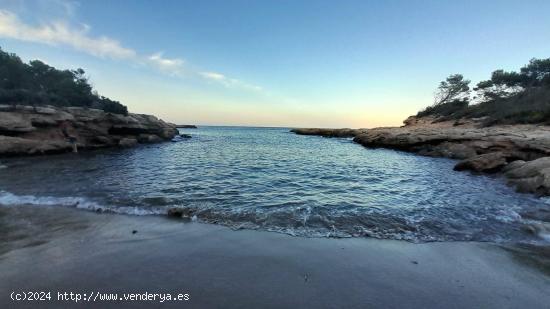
[(217, 266)]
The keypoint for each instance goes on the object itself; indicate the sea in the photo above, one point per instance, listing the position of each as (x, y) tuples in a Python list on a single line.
[(271, 179)]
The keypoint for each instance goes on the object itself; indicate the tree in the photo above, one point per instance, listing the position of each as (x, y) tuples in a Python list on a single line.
[(454, 88), (508, 97), (536, 73), (501, 85), (37, 83)]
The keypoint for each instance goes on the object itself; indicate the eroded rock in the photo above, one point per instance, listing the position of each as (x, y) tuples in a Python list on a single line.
[(127, 142), (149, 138), (27, 130), (15, 123), (178, 212), (529, 169), (489, 162), (532, 176), (513, 165), (15, 145), (327, 132)]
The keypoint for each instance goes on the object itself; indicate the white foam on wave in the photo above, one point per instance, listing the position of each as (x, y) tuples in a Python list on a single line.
[(10, 199), (545, 199), (508, 216), (542, 230)]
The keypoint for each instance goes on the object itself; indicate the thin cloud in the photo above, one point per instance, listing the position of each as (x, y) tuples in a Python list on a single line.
[(62, 33), (59, 33), (171, 66), (228, 82), (213, 76)]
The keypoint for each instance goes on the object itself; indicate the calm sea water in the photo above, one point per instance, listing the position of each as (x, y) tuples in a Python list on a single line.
[(270, 179)]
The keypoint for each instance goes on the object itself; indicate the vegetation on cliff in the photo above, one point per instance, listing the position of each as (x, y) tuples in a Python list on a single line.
[(505, 98), (37, 84)]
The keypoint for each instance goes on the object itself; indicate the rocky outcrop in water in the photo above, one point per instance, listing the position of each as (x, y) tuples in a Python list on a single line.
[(328, 132), (520, 152), (532, 176), (27, 130)]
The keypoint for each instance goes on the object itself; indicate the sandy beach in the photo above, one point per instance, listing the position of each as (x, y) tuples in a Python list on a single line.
[(274, 154), (67, 250)]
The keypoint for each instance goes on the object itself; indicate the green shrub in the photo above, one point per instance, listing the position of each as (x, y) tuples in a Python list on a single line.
[(444, 109)]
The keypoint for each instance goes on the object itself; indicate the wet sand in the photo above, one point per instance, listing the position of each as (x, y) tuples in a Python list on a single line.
[(60, 249)]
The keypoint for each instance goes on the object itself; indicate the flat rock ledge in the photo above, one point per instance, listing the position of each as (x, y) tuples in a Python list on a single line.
[(328, 132), (520, 152), (28, 130)]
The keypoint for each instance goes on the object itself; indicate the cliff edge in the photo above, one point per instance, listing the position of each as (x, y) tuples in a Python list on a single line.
[(28, 130)]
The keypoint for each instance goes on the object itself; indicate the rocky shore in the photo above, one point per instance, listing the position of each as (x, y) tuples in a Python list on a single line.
[(328, 132), (28, 130), (520, 152)]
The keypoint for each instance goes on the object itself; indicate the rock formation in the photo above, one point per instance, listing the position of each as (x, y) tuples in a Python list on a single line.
[(327, 132), (532, 176), (27, 130)]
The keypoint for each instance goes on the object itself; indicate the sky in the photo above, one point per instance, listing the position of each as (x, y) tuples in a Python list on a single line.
[(291, 63)]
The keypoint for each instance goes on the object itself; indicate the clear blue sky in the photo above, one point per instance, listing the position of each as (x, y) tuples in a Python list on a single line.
[(283, 63)]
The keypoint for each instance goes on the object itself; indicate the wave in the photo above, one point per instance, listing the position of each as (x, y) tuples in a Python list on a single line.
[(296, 220), (10, 199), (538, 228)]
